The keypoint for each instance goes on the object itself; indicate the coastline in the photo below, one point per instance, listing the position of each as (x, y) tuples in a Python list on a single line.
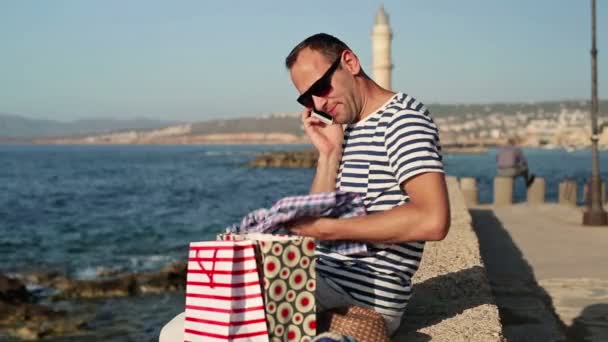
[(217, 142)]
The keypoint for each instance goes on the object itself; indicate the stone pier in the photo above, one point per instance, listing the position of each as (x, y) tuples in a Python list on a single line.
[(468, 186), (546, 271), (503, 191), (452, 299), (567, 193), (536, 191), (535, 194)]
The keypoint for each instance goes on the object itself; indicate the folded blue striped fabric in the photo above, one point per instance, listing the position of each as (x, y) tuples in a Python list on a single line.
[(338, 204)]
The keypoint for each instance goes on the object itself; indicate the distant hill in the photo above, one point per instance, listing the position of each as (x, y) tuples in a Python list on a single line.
[(15, 128), (264, 124)]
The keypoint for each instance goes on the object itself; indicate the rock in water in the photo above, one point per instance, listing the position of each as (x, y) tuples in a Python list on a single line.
[(12, 290)]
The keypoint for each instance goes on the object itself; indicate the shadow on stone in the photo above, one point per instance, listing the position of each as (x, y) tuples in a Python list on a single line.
[(526, 310), (415, 336), (590, 325), (443, 297)]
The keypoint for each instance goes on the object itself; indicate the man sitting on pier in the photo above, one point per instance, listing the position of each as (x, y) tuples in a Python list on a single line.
[(384, 146), (511, 162)]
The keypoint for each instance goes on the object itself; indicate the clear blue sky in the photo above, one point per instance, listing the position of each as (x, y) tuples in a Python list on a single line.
[(195, 60)]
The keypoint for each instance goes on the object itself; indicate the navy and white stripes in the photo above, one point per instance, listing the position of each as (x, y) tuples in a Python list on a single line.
[(388, 147)]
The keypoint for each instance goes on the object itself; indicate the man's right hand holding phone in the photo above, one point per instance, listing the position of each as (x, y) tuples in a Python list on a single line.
[(328, 141), (327, 138)]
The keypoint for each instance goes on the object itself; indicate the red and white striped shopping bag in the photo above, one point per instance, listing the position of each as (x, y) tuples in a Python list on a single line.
[(224, 300)]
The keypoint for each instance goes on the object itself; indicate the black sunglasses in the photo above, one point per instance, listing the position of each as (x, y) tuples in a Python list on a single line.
[(320, 88)]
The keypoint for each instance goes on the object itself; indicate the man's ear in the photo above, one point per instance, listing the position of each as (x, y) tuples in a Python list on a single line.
[(351, 62)]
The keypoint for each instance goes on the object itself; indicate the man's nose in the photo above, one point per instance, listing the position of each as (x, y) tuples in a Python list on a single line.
[(320, 103)]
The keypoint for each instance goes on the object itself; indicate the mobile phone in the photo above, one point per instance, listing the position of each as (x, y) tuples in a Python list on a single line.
[(324, 117)]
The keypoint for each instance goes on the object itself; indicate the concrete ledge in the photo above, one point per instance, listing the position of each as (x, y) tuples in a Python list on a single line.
[(452, 299)]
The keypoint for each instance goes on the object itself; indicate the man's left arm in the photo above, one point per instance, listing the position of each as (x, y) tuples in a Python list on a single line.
[(426, 217)]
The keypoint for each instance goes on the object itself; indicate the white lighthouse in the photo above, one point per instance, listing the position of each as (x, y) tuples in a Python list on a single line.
[(381, 50)]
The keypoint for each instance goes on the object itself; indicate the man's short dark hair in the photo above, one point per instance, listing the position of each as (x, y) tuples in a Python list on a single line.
[(330, 46)]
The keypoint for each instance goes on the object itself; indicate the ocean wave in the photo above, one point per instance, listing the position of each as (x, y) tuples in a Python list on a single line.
[(140, 263), (149, 262)]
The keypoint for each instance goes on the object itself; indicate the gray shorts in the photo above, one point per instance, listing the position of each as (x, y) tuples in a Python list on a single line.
[(330, 296)]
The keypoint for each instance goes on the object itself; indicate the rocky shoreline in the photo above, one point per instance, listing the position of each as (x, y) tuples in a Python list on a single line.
[(290, 159), (308, 158), (27, 315)]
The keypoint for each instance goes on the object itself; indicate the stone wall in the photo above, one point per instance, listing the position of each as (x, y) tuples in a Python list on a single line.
[(452, 298)]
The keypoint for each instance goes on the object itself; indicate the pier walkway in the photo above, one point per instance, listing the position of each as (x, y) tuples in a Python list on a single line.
[(548, 272)]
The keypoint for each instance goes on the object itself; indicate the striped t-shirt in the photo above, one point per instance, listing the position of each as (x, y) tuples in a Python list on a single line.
[(380, 152)]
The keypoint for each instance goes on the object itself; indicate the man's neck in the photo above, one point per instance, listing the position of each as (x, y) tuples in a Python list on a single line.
[(373, 96)]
